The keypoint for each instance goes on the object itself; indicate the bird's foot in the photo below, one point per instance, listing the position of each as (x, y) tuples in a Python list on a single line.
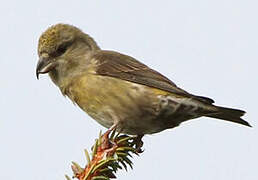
[(106, 140), (139, 143), (108, 143)]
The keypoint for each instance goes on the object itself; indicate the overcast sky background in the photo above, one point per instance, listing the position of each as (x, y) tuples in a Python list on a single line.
[(206, 47)]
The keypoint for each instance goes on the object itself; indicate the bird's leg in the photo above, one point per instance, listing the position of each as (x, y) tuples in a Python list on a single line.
[(105, 137), (116, 123), (139, 143)]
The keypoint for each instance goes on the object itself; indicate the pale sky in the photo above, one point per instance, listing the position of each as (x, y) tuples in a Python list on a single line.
[(208, 48)]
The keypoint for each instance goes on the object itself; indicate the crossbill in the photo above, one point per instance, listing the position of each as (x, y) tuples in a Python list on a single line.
[(117, 90)]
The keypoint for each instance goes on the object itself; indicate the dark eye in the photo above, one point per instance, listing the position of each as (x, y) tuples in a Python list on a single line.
[(61, 49)]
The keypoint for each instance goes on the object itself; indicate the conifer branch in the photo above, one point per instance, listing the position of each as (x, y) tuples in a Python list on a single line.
[(112, 151)]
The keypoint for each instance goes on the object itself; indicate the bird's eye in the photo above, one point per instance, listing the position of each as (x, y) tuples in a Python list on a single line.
[(61, 49)]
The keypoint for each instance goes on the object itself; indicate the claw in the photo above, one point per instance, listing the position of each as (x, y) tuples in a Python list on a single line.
[(106, 144), (139, 144)]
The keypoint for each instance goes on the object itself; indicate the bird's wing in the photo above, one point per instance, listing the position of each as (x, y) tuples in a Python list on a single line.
[(113, 64)]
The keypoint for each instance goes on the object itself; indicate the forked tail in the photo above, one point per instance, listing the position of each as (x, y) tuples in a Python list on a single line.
[(228, 114)]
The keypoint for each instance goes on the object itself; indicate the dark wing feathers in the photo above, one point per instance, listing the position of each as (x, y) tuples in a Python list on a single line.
[(124, 67), (205, 99)]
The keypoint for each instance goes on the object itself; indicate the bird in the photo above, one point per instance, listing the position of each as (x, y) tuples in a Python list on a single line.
[(117, 90)]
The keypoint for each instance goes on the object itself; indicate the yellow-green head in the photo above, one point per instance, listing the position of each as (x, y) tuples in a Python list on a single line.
[(61, 43)]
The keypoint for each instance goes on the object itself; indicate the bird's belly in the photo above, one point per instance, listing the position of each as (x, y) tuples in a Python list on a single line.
[(135, 108)]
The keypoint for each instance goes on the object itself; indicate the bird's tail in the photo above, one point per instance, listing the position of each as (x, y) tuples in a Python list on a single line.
[(228, 114)]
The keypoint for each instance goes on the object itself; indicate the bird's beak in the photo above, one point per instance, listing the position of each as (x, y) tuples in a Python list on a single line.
[(44, 66)]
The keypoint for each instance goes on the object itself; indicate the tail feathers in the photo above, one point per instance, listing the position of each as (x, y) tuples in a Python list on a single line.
[(228, 114)]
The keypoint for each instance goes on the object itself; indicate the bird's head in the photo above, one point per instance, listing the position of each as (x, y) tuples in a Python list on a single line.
[(61, 44)]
